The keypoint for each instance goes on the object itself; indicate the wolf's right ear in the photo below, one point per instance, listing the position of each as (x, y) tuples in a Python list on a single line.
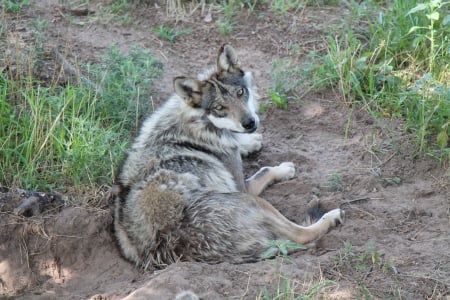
[(227, 59), (189, 89)]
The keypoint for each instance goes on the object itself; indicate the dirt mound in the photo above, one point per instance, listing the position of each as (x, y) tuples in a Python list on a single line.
[(66, 253)]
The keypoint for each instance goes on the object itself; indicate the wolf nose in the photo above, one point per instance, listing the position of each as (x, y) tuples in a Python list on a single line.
[(249, 123)]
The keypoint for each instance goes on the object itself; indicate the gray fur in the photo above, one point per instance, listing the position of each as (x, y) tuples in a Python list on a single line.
[(181, 192)]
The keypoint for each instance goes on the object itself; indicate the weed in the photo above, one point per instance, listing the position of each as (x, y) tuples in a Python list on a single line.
[(226, 23), (230, 9), (225, 26), (283, 6), (392, 181), (13, 6), (119, 6), (334, 182), (113, 11), (286, 80), (281, 248), (359, 264), (279, 99), (169, 33), (39, 38), (433, 36), (288, 288), (292, 289)]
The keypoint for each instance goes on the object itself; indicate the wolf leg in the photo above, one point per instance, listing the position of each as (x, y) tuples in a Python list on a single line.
[(238, 228), (267, 175), (286, 229)]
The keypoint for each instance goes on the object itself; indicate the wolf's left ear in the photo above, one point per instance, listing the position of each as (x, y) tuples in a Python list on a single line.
[(227, 59), (189, 89)]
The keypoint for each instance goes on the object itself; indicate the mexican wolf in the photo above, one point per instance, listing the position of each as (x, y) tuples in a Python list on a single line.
[(181, 193)]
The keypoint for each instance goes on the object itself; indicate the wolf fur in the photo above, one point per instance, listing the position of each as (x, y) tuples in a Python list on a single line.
[(181, 193)]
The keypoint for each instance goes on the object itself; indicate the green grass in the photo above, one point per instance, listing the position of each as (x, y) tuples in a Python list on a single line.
[(394, 60), (73, 136), (113, 11), (168, 33), (358, 264), (288, 288), (123, 84), (286, 81), (13, 6)]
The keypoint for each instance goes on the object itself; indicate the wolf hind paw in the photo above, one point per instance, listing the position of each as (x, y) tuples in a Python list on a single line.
[(336, 216)]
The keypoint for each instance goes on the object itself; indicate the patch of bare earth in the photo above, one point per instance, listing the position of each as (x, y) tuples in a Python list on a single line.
[(394, 244)]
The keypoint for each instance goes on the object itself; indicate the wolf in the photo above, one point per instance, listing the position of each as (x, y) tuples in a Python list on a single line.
[(181, 193)]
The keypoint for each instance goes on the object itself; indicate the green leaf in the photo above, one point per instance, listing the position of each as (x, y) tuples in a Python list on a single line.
[(442, 139), (279, 100), (446, 20), (414, 28), (294, 245), (433, 16), (272, 251), (419, 7)]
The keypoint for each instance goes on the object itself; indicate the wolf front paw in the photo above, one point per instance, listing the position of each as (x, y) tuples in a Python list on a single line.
[(335, 217), (285, 171), (249, 142)]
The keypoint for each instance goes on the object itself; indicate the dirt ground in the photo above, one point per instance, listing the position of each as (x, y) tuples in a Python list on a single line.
[(395, 243)]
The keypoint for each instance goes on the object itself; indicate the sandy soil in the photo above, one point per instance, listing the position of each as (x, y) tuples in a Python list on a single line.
[(396, 239)]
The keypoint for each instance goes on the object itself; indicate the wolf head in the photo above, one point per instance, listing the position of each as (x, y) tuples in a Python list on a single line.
[(226, 96)]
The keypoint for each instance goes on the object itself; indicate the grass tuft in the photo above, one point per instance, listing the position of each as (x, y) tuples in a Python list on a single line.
[(55, 137), (394, 60)]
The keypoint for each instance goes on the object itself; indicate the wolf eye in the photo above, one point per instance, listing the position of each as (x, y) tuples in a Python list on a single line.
[(240, 92), (219, 107)]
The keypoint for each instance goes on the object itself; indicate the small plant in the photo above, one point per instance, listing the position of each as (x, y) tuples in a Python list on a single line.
[(225, 26), (39, 28), (225, 23), (279, 100), (334, 182), (393, 181), (283, 6), (292, 289), (169, 33), (286, 79), (281, 248), (289, 288), (119, 6), (359, 264), (13, 6)]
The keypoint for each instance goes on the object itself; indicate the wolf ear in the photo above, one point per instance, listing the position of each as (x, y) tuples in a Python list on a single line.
[(227, 59), (189, 89)]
